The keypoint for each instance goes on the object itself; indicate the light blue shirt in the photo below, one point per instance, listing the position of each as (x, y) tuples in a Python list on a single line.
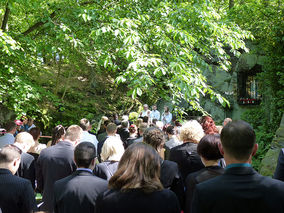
[(87, 137), (155, 114), (85, 169), (6, 139), (167, 119)]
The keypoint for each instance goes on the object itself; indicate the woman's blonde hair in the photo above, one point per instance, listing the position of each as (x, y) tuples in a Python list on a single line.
[(112, 149), (25, 138), (139, 167), (191, 131)]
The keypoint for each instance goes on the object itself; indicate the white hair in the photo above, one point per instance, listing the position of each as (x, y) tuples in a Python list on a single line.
[(160, 124), (112, 149), (191, 131), (124, 118)]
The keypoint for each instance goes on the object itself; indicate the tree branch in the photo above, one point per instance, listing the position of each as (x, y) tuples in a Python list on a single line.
[(87, 2), (38, 24), (231, 4), (6, 17)]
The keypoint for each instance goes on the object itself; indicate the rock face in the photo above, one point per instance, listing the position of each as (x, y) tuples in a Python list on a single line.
[(268, 164), (226, 83)]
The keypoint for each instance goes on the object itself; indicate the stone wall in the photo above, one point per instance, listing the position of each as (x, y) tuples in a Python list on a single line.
[(269, 162), (226, 83)]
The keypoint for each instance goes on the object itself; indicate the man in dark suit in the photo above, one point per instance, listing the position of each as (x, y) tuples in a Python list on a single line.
[(25, 141), (78, 192), (170, 176), (240, 188), (279, 172), (111, 130), (123, 132), (54, 163), (16, 194), (142, 129)]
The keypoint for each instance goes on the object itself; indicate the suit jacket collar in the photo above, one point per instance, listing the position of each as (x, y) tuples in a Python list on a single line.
[(240, 171), (188, 144), (65, 143), (5, 172)]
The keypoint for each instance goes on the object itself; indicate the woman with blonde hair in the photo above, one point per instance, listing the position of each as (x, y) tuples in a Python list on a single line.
[(136, 187), (112, 151), (185, 155)]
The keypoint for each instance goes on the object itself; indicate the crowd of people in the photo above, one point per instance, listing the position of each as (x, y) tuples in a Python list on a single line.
[(151, 164)]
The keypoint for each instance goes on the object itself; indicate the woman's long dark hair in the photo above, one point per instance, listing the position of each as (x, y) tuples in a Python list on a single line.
[(57, 133), (139, 167)]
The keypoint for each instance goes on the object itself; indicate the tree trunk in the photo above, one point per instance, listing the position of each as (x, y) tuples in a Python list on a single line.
[(5, 18), (58, 74), (231, 4), (66, 84), (265, 2)]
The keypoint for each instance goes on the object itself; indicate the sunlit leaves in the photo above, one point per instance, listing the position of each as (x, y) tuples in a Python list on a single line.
[(167, 46)]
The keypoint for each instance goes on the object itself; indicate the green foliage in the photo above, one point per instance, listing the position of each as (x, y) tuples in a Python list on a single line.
[(161, 49), (265, 20), (264, 133), (64, 60)]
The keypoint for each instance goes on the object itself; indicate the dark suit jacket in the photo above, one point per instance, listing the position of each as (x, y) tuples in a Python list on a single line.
[(106, 169), (54, 163), (239, 190), (137, 201), (100, 146), (279, 172), (27, 168), (124, 134), (198, 177), (134, 140), (78, 192), (185, 155), (16, 194), (171, 179)]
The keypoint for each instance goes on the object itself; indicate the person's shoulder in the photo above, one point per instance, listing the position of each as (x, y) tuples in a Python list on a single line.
[(27, 156), (19, 181), (166, 194), (178, 148), (63, 180), (193, 175), (46, 151), (99, 181), (109, 194), (271, 183), (170, 165), (211, 183)]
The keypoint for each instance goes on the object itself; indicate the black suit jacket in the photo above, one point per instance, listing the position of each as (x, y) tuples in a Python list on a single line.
[(78, 192), (106, 169), (124, 134), (279, 172), (187, 158), (198, 177), (100, 146), (137, 201), (16, 194), (171, 179), (239, 190), (134, 140), (27, 168), (54, 163)]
